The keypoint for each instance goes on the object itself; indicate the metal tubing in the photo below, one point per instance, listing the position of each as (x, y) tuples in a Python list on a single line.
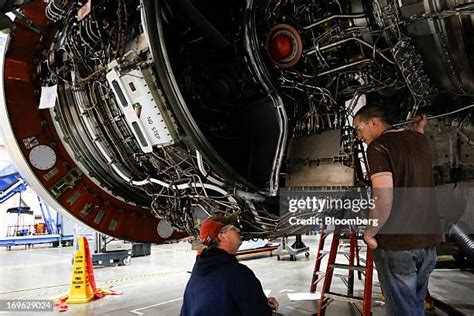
[(312, 52), (337, 16)]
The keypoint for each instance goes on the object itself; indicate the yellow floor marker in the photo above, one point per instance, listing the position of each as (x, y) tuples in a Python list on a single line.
[(82, 290), (83, 286)]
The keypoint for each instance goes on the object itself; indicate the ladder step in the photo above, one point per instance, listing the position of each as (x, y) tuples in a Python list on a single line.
[(344, 252), (322, 253), (342, 297), (339, 275), (349, 239), (347, 266), (339, 252)]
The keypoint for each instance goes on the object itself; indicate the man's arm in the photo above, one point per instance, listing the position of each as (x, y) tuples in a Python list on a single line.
[(382, 185)]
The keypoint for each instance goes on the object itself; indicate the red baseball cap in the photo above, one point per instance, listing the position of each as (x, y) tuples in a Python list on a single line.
[(212, 226)]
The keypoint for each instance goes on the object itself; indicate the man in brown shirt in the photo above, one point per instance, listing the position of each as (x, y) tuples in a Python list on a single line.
[(408, 228)]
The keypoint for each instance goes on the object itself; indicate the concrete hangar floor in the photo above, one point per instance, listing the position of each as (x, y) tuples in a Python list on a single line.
[(154, 285)]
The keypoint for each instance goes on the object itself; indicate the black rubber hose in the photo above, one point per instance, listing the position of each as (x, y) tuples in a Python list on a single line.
[(460, 233)]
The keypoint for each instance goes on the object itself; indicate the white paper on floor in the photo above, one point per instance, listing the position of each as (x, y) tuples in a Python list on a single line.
[(304, 296)]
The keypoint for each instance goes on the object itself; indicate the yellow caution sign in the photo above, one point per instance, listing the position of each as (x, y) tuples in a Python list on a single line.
[(83, 282)]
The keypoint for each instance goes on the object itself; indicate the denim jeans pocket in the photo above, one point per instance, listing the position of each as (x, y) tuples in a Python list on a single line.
[(402, 262)]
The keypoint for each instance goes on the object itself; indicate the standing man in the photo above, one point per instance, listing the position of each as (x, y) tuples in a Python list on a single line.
[(400, 167), (219, 284)]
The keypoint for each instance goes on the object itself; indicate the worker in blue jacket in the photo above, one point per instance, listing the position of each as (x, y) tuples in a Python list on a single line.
[(219, 284)]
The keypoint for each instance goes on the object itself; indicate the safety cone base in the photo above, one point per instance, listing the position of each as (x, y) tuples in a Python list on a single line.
[(79, 300)]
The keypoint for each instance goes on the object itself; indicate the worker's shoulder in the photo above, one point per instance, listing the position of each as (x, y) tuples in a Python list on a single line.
[(244, 268), (397, 133), (378, 145), (392, 138), (241, 270)]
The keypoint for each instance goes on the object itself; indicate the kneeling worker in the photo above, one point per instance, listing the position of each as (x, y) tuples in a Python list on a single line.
[(219, 284)]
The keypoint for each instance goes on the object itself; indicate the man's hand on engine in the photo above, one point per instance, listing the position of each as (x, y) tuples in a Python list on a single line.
[(420, 122)]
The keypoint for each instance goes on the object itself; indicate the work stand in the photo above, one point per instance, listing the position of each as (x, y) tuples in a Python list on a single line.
[(362, 304), (286, 250)]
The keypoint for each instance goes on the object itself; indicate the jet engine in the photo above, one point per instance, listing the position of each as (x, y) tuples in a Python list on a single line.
[(141, 118)]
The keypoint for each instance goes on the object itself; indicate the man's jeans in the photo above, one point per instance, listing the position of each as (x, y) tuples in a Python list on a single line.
[(403, 276)]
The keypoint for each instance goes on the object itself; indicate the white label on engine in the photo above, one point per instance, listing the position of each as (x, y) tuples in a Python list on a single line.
[(140, 108)]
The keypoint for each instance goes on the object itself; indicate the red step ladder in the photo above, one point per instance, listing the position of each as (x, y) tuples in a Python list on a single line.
[(353, 265)]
